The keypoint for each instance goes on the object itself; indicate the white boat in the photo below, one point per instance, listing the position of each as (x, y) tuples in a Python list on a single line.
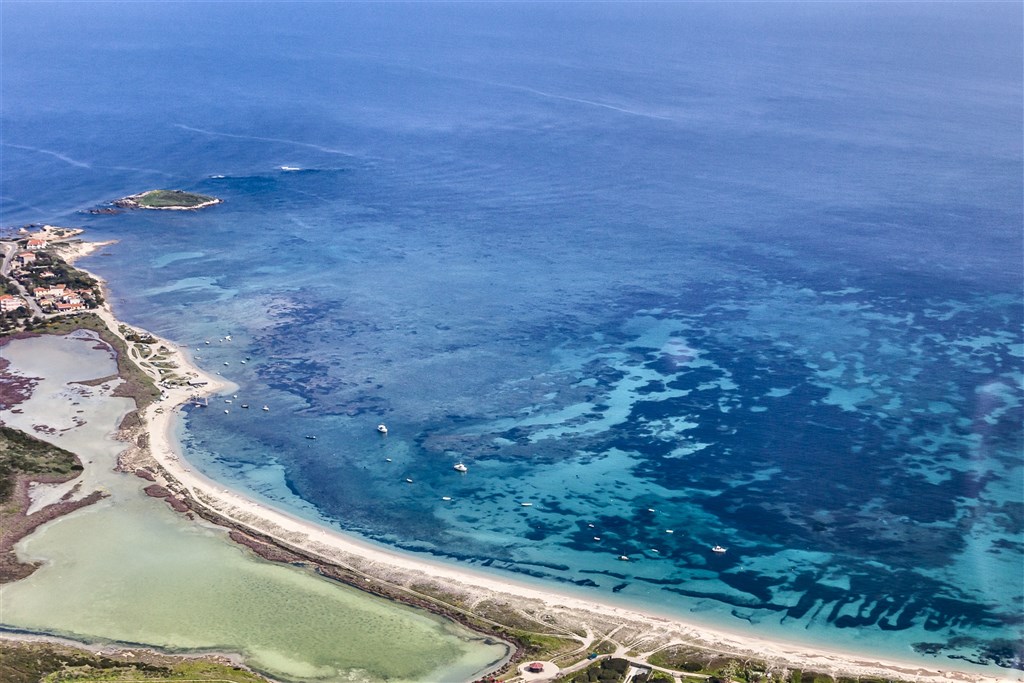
[(718, 549), (245, 405), (624, 558), (597, 538), (266, 407), (669, 531), (382, 429), (408, 480), (387, 459), (226, 410), (526, 505), (459, 467), (446, 497), (310, 437)]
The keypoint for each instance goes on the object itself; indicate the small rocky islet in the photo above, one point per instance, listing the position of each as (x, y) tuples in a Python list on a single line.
[(174, 200)]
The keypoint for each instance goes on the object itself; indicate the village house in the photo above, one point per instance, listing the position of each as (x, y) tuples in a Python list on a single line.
[(9, 302), (63, 307), (55, 291), (36, 244), (25, 257)]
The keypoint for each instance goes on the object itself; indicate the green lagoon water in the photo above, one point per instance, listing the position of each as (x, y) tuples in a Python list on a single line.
[(130, 570)]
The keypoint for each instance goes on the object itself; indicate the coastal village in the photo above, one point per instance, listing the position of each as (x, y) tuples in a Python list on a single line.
[(37, 283)]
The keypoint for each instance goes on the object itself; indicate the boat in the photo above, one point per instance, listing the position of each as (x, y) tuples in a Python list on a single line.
[(669, 531), (718, 549), (382, 429), (226, 410), (245, 405), (387, 459), (310, 437), (266, 407), (446, 497), (526, 505), (459, 467), (408, 480), (624, 558), (597, 538)]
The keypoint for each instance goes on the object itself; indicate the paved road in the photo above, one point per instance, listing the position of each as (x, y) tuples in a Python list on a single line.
[(10, 249)]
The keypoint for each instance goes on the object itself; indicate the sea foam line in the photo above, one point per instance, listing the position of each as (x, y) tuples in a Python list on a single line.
[(296, 143), (58, 155)]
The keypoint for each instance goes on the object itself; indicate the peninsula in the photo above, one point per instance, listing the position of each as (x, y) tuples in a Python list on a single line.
[(173, 200), (555, 636)]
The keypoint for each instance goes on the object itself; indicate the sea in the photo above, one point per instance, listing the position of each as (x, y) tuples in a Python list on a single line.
[(677, 275)]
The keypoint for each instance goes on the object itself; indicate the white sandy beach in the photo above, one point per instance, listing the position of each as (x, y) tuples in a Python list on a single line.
[(403, 569)]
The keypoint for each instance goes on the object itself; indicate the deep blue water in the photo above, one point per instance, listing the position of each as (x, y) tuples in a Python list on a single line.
[(757, 268)]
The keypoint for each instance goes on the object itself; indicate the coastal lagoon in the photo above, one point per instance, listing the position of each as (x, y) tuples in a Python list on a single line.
[(677, 275), (129, 570)]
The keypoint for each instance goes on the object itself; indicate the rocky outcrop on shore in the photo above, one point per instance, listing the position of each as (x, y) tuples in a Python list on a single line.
[(157, 491)]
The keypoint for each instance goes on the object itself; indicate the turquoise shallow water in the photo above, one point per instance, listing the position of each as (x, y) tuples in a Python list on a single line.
[(757, 271)]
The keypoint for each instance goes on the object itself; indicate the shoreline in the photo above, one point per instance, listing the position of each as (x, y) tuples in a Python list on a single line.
[(398, 572)]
